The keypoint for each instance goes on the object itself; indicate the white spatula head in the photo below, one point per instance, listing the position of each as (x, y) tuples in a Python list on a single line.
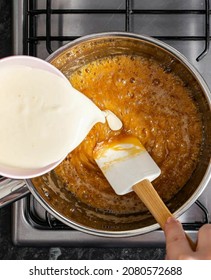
[(124, 162)]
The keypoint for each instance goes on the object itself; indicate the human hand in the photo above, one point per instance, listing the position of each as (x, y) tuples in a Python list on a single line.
[(177, 246)]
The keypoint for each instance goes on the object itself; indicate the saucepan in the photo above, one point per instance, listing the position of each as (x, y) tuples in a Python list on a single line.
[(53, 195)]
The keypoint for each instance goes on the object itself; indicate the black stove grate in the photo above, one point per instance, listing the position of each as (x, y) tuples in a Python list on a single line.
[(31, 39)]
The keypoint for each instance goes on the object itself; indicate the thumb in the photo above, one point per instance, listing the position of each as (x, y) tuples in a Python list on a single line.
[(177, 246)]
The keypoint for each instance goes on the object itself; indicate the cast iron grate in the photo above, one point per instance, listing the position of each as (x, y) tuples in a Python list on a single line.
[(31, 38)]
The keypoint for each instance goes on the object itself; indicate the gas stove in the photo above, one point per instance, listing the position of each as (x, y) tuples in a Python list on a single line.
[(40, 27)]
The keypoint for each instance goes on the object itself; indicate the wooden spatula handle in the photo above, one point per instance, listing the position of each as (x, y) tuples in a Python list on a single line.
[(155, 205)]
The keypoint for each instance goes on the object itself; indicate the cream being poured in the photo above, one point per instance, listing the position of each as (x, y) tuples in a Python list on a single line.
[(42, 117)]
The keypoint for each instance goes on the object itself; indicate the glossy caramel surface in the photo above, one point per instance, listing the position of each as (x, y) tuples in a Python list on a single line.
[(156, 107)]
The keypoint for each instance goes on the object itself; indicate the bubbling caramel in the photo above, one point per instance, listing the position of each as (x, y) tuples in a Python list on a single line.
[(156, 107)]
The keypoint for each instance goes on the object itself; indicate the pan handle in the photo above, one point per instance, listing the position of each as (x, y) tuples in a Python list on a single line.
[(11, 190)]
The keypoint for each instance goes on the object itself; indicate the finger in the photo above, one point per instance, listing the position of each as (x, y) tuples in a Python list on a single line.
[(177, 246), (204, 242)]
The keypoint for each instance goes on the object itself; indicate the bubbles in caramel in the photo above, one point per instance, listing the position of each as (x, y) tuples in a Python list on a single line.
[(155, 106)]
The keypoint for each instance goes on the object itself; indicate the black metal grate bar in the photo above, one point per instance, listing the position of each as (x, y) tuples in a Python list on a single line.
[(128, 10), (207, 31), (69, 38), (196, 225), (48, 26), (204, 210), (127, 15), (32, 29)]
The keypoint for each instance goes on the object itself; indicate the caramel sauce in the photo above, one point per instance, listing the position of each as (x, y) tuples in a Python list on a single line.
[(121, 148), (156, 107), (129, 144)]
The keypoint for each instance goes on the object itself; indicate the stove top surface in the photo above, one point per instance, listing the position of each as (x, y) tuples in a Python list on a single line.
[(41, 29)]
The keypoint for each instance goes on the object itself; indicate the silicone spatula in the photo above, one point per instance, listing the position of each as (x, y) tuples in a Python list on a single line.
[(128, 167)]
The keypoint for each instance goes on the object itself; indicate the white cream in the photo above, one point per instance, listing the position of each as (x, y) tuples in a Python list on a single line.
[(42, 117), (113, 121)]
